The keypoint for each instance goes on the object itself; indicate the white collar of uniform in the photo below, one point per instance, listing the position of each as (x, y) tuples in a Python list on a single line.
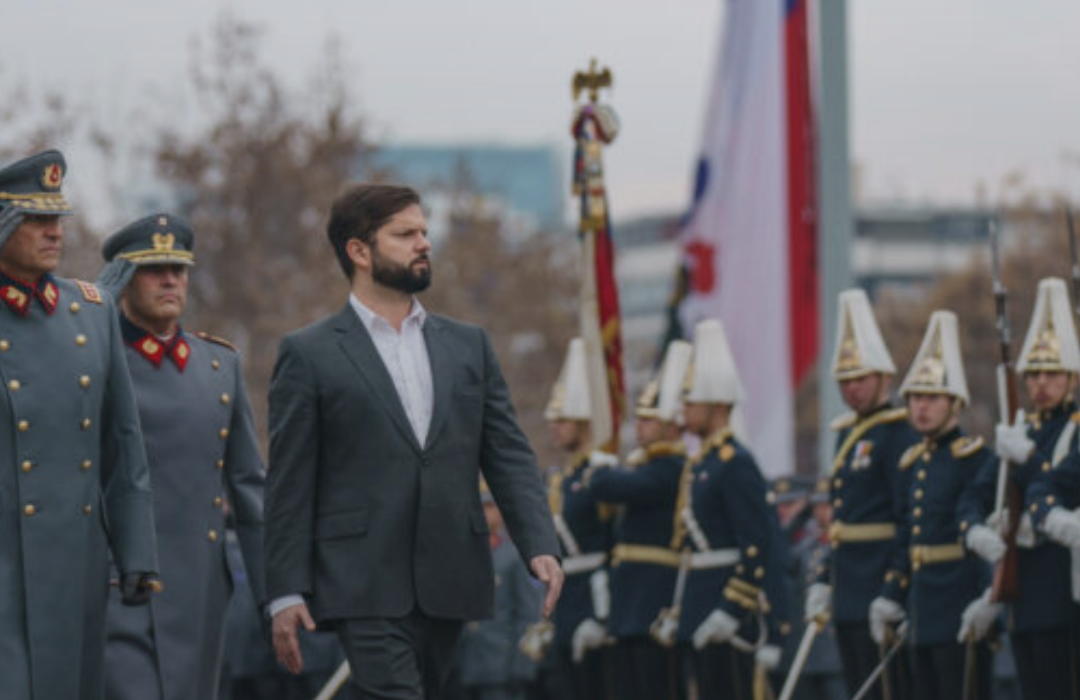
[(417, 314)]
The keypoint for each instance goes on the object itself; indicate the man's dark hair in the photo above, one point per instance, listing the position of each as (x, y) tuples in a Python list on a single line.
[(360, 212)]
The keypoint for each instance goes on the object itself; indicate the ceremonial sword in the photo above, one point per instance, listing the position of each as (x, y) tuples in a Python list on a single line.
[(797, 664), (880, 668)]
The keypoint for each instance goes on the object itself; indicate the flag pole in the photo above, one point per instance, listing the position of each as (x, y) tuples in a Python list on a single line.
[(835, 221), (594, 126)]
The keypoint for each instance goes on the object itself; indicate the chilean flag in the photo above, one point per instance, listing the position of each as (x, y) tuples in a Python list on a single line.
[(749, 240)]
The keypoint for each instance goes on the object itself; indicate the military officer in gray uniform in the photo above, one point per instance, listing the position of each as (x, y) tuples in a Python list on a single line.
[(74, 485), (204, 459)]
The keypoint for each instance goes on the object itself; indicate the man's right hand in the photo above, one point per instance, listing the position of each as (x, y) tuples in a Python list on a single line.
[(286, 640)]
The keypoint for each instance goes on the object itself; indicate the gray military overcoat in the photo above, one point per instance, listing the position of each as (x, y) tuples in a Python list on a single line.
[(203, 453), (73, 485)]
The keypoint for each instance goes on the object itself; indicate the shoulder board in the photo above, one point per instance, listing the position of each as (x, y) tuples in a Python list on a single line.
[(727, 452), (965, 446), (844, 421), (219, 341), (911, 454), (1075, 418), (89, 291)]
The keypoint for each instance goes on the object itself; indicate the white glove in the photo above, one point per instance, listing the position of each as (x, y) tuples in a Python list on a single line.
[(664, 628), (718, 627), (599, 458), (977, 618), (818, 601), (768, 657), (985, 542), (1063, 526), (884, 612), (1012, 441), (601, 595), (590, 634)]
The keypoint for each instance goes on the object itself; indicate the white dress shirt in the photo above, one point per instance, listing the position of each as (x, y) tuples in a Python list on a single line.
[(404, 354)]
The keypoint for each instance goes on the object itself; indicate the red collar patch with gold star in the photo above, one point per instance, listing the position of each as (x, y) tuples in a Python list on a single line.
[(18, 294), (155, 350)]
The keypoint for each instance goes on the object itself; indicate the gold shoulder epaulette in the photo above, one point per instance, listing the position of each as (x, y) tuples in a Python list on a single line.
[(727, 452), (844, 421), (911, 454), (965, 446), (215, 339), (893, 415), (1075, 417), (665, 449), (862, 427), (89, 291)]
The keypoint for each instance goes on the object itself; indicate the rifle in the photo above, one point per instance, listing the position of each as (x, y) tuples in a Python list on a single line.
[(1072, 256), (1006, 584)]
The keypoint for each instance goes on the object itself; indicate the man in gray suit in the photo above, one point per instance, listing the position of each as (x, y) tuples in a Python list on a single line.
[(74, 481), (382, 418), (204, 459)]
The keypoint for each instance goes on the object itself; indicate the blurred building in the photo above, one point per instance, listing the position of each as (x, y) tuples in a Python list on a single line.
[(528, 185)]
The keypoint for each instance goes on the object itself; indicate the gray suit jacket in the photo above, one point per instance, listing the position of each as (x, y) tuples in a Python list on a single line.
[(362, 519)]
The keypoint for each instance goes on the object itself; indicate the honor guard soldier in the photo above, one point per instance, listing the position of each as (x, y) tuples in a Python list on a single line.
[(204, 457), (644, 566), (724, 517), (75, 460), (868, 495), (584, 526), (944, 576), (1043, 621)]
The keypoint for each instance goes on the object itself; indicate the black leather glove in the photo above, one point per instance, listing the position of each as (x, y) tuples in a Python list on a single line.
[(135, 588)]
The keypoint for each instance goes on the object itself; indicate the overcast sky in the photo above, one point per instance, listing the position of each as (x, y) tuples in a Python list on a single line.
[(944, 94)]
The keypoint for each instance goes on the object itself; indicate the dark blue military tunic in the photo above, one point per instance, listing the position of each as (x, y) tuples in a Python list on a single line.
[(944, 576), (203, 452), (868, 492), (1045, 599), (644, 565), (728, 496), (73, 487), (590, 523)]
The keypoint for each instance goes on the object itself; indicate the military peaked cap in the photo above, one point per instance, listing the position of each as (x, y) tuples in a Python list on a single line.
[(158, 239), (33, 185)]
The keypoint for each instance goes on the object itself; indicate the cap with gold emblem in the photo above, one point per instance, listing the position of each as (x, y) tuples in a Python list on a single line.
[(661, 397), (32, 185), (938, 367), (570, 395), (158, 239), (712, 376), (787, 489), (1051, 345), (860, 350)]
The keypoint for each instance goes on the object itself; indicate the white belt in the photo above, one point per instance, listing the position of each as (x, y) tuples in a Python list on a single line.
[(583, 563), (714, 559)]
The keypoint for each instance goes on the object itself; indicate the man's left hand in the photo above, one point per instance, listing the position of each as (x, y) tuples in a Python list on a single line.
[(546, 568)]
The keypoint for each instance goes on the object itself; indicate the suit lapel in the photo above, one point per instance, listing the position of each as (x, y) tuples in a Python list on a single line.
[(442, 375), (355, 341)]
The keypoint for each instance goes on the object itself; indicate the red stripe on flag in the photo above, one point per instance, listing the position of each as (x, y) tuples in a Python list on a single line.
[(608, 296), (802, 213)]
